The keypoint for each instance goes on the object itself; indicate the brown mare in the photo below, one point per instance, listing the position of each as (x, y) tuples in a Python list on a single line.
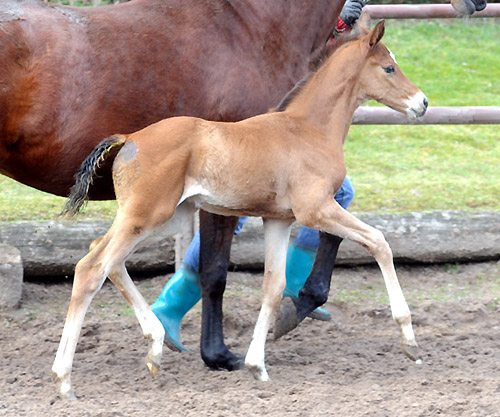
[(283, 166), (72, 76)]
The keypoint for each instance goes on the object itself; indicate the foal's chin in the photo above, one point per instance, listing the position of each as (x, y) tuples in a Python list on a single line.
[(414, 114)]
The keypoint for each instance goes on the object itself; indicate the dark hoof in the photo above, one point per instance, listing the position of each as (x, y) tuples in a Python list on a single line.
[(226, 360), (286, 318), (413, 352)]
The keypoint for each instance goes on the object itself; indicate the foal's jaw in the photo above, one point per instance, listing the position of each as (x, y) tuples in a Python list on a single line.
[(416, 105)]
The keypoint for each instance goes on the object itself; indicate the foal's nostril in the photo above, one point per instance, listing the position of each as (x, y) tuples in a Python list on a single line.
[(426, 103)]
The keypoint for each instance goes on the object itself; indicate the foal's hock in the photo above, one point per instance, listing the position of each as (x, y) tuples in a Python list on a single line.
[(282, 166)]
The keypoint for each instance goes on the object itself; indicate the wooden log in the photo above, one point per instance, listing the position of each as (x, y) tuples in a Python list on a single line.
[(53, 248), (434, 116), (11, 276), (437, 237), (424, 11)]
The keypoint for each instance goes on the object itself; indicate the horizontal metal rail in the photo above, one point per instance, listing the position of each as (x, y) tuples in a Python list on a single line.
[(434, 116), (425, 11)]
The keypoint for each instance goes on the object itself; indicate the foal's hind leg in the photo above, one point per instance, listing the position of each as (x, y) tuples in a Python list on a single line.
[(337, 221), (150, 325), (107, 257), (277, 235), (89, 277)]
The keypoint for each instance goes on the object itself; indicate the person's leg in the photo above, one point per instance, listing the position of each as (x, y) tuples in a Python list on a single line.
[(182, 292), (302, 252)]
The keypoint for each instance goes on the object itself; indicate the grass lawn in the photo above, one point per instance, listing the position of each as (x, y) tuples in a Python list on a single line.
[(406, 168), (394, 168)]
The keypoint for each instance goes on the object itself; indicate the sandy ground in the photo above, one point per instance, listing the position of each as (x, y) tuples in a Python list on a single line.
[(351, 366)]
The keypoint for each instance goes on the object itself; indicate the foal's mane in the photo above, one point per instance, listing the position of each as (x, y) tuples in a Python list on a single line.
[(317, 60)]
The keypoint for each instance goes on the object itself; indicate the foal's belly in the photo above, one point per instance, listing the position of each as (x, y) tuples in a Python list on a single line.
[(239, 200), (267, 212)]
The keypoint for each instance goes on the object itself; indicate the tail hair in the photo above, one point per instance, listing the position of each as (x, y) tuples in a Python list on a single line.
[(78, 195)]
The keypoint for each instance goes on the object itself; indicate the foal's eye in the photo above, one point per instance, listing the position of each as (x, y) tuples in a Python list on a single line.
[(389, 70)]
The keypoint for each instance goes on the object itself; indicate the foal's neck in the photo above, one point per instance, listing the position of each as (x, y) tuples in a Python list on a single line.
[(329, 99)]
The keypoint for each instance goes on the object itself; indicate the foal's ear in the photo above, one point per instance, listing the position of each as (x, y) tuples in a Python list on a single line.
[(376, 34)]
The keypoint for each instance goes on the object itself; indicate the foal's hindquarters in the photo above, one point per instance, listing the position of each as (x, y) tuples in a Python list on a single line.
[(107, 259), (135, 221)]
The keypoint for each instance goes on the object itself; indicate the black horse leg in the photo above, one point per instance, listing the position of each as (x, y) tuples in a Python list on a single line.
[(216, 234), (315, 291)]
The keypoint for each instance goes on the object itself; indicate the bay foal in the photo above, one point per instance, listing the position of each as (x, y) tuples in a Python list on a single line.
[(283, 166)]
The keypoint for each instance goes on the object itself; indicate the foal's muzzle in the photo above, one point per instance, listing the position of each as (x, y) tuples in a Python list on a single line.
[(417, 105)]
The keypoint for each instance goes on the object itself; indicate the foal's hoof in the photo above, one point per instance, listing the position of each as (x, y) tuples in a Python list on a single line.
[(286, 318), (413, 352), (64, 389), (153, 367), (258, 372), (68, 396)]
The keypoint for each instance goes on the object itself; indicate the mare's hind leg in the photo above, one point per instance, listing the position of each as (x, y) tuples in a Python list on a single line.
[(216, 234), (337, 221), (315, 291), (277, 235)]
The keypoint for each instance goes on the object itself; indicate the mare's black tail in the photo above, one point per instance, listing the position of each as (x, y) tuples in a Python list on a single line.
[(78, 195)]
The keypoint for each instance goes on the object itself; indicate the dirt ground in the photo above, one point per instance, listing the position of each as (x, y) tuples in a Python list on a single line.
[(350, 366)]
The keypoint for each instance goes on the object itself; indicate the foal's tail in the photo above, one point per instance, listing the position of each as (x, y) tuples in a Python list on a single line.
[(78, 195)]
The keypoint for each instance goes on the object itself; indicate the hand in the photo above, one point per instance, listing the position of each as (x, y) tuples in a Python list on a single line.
[(351, 11)]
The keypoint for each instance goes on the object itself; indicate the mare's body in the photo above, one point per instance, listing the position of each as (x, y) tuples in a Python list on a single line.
[(72, 76)]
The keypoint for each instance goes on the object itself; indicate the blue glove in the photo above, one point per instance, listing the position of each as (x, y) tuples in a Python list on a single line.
[(351, 11)]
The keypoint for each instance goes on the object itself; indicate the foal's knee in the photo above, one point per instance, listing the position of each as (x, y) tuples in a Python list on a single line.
[(94, 243), (379, 248), (88, 276)]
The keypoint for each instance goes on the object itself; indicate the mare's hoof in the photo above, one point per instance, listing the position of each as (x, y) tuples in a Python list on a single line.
[(235, 363), (286, 318), (227, 360), (413, 352)]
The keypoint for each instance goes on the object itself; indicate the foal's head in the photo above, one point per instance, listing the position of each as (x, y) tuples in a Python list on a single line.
[(381, 78)]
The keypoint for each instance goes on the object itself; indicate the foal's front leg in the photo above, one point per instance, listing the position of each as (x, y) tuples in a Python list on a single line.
[(337, 221), (277, 236), (216, 235)]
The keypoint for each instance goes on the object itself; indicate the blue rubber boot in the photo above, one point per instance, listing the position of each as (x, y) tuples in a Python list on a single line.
[(299, 262), (180, 294)]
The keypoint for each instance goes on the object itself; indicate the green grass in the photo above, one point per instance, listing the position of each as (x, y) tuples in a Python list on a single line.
[(394, 168), (406, 168)]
